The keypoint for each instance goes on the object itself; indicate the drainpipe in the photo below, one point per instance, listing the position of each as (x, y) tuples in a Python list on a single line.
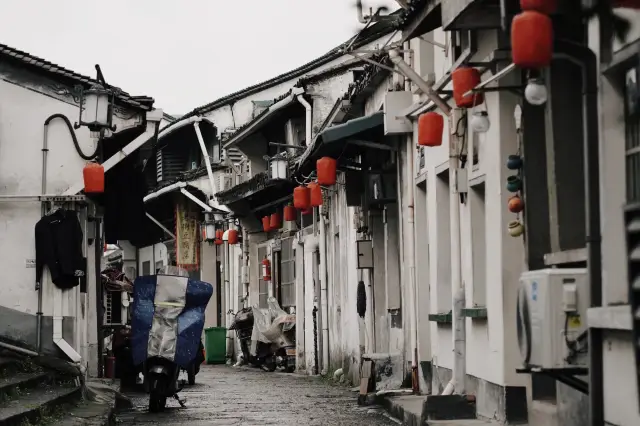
[(226, 279), (245, 265), (308, 118), (205, 155), (457, 382), (324, 318)]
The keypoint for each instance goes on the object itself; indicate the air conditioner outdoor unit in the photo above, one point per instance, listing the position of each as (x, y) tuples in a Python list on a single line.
[(551, 314)]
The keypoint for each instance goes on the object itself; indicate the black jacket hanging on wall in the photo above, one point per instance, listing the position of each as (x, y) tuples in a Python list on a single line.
[(59, 247)]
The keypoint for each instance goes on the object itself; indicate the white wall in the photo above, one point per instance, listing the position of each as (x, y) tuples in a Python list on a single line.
[(620, 387)]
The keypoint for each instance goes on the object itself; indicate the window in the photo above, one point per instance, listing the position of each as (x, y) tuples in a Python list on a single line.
[(632, 129), (443, 252), (263, 286), (287, 274), (146, 268), (478, 243)]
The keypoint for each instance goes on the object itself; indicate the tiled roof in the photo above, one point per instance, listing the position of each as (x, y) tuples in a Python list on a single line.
[(56, 71)]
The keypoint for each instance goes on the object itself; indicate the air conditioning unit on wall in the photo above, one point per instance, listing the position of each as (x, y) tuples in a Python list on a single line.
[(552, 318)]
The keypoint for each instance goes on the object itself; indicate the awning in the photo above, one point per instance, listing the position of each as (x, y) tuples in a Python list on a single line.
[(361, 128), (263, 118)]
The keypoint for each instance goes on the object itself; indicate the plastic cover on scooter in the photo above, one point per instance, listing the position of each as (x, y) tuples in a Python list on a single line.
[(270, 324), (168, 316)]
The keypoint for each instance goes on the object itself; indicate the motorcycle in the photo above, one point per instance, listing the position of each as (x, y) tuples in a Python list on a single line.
[(167, 322), (266, 336)]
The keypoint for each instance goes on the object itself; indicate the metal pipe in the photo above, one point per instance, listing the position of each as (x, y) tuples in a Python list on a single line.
[(308, 118), (426, 88), (18, 349), (99, 294), (205, 155), (324, 302), (457, 383), (245, 264), (497, 76), (161, 226), (195, 199)]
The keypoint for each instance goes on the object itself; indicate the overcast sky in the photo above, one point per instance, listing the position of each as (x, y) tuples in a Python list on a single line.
[(184, 53)]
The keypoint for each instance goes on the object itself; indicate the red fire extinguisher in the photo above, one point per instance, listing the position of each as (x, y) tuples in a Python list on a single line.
[(266, 270)]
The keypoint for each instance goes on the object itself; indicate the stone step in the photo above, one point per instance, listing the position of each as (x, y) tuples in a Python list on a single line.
[(87, 413), (38, 405), (9, 366), (12, 386)]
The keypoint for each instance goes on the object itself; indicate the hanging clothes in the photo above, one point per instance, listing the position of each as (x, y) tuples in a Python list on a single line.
[(59, 247)]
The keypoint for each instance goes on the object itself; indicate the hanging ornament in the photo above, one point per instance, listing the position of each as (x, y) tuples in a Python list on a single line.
[(515, 204), (531, 40), (301, 197), (315, 192), (465, 79), (480, 122), (232, 237), (430, 129), (289, 213), (93, 175), (515, 228), (326, 169), (266, 224), (275, 222)]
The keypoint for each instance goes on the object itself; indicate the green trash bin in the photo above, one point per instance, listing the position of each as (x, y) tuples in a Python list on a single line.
[(215, 345)]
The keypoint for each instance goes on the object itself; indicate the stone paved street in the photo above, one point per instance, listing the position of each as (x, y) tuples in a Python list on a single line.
[(250, 397)]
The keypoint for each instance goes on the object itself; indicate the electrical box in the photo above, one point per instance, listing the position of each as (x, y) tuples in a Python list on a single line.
[(551, 314), (395, 122)]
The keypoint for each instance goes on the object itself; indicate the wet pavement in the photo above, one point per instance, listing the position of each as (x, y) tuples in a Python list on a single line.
[(251, 397)]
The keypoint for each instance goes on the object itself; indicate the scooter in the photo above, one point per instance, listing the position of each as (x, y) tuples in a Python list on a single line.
[(244, 326), (165, 341)]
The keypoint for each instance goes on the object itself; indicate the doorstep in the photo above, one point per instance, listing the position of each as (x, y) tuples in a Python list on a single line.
[(418, 410)]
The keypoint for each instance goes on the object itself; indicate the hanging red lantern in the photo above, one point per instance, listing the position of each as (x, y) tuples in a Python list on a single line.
[(531, 40), (465, 79), (93, 174), (326, 170), (430, 129), (548, 7), (266, 224), (275, 222), (232, 237), (307, 211), (301, 197), (315, 191), (289, 213), (219, 234), (266, 270)]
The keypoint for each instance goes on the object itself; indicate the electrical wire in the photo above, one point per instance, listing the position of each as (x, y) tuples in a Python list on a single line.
[(74, 137)]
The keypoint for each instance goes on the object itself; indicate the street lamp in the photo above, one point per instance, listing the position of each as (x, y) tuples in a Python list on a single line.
[(209, 229), (96, 106)]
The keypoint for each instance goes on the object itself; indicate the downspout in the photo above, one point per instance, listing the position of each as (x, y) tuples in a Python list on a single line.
[(308, 118), (324, 322), (245, 266), (205, 155), (457, 381), (226, 279)]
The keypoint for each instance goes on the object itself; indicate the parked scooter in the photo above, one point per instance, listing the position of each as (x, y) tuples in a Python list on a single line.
[(167, 322), (267, 336)]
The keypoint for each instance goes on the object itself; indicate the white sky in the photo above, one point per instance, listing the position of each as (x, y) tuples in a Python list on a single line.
[(184, 53)]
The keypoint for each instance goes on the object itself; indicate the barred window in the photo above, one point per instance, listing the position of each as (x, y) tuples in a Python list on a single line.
[(263, 286), (632, 129), (287, 280)]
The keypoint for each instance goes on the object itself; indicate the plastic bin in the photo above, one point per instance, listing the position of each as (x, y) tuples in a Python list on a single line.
[(215, 343)]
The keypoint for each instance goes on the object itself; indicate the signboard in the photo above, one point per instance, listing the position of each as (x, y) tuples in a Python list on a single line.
[(186, 239)]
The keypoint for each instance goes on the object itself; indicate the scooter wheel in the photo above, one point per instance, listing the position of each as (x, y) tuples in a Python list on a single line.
[(157, 403), (270, 364)]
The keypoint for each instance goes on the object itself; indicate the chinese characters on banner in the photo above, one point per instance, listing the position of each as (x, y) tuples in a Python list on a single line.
[(186, 239)]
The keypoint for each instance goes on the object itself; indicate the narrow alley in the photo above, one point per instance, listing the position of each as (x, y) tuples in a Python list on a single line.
[(247, 396)]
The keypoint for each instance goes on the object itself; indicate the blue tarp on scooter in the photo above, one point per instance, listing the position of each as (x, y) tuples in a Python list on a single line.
[(168, 317)]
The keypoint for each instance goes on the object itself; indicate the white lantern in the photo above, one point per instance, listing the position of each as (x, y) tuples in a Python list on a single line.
[(209, 229), (96, 108), (480, 122), (279, 168), (536, 92)]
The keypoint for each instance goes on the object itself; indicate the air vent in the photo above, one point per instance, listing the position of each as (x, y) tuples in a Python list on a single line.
[(632, 230)]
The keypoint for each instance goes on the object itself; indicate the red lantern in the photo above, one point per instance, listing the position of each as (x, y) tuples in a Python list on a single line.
[(93, 174), (465, 79), (232, 237), (266, 224), (430, 129), (326, 171), (307, 211), (301, 197), (219, 234), (266, 270), (316, 194), (548, 7), (289, 213), (531, 40), (274, 221)]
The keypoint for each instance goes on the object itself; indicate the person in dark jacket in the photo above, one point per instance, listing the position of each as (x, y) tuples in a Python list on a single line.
[(59, 247)]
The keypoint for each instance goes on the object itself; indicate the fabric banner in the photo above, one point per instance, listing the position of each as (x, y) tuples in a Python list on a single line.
[(186, 239)]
